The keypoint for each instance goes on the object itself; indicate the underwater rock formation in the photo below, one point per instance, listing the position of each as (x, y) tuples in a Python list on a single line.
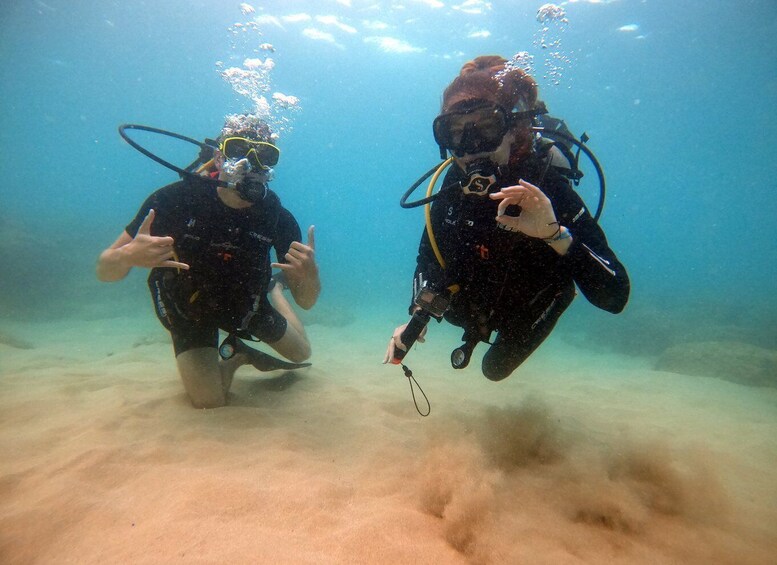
[(10, 340), (730, 360)]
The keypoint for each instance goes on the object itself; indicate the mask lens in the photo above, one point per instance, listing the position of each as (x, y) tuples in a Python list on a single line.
[(475, 130), (261, 155), (267, 153), (235, 148)]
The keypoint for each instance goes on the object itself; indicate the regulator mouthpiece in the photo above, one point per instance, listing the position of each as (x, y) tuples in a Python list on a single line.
[(482, 176)]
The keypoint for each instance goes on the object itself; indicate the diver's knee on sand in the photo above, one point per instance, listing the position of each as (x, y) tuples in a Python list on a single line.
[(201, 377), (301, 355), (293, 346)]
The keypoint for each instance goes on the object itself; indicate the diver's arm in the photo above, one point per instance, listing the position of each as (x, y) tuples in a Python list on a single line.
[(305, 289), (428, 272), (595, 268), (112, 264), (143, 250), (600, 276), (301, 271), (578, 239), (537, 217), (561, 242)]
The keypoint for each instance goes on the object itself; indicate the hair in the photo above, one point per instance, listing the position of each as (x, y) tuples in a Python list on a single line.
[(493, 79), (250, 126)]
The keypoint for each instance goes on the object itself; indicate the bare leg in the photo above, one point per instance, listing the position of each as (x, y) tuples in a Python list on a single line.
[(206, 377), (294, 344)]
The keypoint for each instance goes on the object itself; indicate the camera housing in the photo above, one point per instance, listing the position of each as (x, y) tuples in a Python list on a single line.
[(433, 302)]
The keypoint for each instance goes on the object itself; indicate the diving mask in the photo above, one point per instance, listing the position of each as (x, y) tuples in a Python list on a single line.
[(475, 126), (260, 154)]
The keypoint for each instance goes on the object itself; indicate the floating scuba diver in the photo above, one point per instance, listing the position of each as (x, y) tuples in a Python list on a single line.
[(207, 241), (507, 238)]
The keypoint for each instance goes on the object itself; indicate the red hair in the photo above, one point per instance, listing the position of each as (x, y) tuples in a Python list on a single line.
[(489, 78)]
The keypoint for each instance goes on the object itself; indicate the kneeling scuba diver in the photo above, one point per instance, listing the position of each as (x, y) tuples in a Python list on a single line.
[(245, 165), (472, 132)]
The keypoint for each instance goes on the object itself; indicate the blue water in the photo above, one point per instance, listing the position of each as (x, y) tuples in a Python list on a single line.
[(680, 111)]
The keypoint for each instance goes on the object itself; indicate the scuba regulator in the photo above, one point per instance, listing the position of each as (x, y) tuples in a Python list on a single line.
[(481, 176), (251, 189)]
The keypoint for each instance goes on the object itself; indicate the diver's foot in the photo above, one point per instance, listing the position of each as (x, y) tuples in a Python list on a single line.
[(264, 362)]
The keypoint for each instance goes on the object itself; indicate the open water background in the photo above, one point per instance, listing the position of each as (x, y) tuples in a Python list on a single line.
[(679, 105)]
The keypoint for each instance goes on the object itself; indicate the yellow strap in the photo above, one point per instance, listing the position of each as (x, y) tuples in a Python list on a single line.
[(175, 256), (205, 167), (196, 294), (428, 211)]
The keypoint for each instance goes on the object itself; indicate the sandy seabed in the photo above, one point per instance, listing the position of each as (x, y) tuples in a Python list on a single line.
[(579, 457)]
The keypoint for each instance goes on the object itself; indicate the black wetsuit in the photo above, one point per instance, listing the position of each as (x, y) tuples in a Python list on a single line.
[(512, 283), (228, 251)]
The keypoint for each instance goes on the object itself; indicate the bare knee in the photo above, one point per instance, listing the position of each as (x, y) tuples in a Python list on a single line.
[(201, 377), (301, 354), (293, 346), (204, 394), (213, 402)]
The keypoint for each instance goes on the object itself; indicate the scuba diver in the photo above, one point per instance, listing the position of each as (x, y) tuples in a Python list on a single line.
[(507, 237), (207, 240)]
